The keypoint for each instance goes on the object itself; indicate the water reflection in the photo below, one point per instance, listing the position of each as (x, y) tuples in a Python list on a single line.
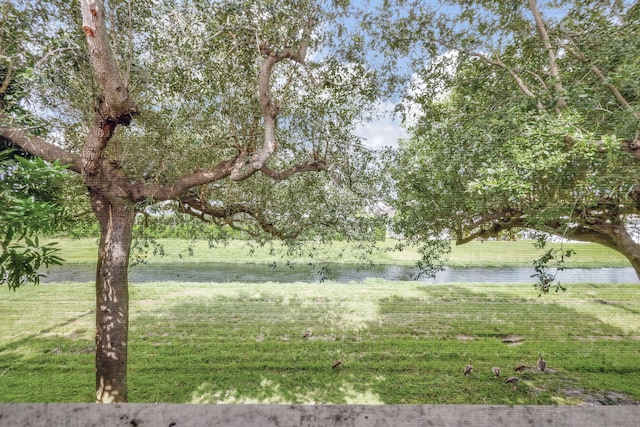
[(254, 273)]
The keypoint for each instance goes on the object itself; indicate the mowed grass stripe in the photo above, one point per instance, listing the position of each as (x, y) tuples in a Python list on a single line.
[(519, 253), (401, 342)]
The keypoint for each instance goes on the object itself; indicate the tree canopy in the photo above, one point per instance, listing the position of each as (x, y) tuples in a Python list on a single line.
[(236, 112), (195, 71), (527, 118)]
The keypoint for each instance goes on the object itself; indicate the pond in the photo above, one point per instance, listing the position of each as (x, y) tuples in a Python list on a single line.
[(256, 273)]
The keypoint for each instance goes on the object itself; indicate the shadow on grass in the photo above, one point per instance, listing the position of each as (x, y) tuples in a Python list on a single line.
[(28, 338), (459, 323), (621, 306), (47, 369), (249, 349), (396, 349)]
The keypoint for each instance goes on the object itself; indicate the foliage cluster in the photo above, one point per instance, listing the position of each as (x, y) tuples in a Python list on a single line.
[(518, 120), (31, 206)]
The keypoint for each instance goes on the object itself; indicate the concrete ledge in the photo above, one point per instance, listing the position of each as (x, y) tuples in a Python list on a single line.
[(174, 415)]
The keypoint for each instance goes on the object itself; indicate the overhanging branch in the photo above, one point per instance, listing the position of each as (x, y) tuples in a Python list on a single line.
[(184, 183), (195, 206), (140, 192), (491, 225), (279, 176), (39, 147)]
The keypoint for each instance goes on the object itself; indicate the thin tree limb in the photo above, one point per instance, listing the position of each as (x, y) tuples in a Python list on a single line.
[(551, 52), (620, 99), (195, 206), (42, 60), (7, 78), (514, 75)]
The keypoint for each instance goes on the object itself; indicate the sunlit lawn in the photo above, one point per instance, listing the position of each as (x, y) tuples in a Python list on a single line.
[(402, 342), (474, 254)]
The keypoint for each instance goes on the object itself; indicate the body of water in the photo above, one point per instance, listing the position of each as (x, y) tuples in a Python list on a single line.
[(253, 273)]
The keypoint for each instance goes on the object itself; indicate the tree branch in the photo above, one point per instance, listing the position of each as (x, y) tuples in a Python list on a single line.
[(620, 99), (499, 221), (544, 37), (141, 192), (591, 224), (514, 75), (44, 59), (194, 206), (244, 167), (184, 183), (601, 233), (40, 148), (279, 176), (7, 77)]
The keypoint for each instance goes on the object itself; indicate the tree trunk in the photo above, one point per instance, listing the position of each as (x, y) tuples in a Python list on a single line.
[(630, 249), (112, 298), (623, 242), (612, 235)]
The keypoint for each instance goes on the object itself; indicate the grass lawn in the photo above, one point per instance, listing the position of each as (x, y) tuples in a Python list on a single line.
[(474, 254), (402, 342)]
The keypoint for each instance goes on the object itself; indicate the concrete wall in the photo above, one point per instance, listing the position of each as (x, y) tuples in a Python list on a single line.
[(172, 415)]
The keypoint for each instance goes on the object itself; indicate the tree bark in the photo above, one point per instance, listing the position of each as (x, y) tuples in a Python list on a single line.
[(112, 297), (614, 236)]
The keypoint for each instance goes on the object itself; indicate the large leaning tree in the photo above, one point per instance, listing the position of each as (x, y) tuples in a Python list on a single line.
[(236, 112), (526, 116)]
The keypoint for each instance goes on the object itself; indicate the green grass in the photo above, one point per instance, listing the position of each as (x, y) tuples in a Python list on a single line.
[(473, 254), (403, 342)]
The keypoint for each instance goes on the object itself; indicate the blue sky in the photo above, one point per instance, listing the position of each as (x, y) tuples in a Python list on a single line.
[(387, 131)]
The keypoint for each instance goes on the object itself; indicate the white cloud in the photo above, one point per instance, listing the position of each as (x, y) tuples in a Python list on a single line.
[(387, 129), (383, 131)]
